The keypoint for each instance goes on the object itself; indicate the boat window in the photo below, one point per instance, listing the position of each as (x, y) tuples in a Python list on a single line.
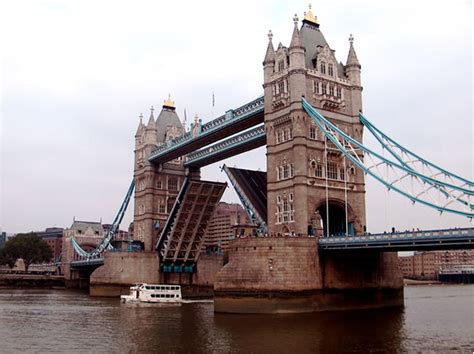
[(147, 287)]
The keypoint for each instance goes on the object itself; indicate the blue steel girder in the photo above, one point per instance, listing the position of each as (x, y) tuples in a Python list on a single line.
[(409, 183), (245, 200), (239, 119), (235, 145), (459, 238), (105, 244)]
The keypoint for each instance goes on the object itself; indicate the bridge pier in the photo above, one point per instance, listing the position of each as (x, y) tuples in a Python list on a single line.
[(123, 269), (289, 275)]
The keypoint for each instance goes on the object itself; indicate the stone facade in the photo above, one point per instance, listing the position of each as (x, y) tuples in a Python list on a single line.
[(312, 192), (156, 187), (298, 166)]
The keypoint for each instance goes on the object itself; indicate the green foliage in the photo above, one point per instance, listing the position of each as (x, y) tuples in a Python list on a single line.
[(29, 247)]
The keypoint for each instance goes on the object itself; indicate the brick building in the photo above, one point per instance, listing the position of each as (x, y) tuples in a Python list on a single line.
[(53, 236), (222, 224), (427, 264)]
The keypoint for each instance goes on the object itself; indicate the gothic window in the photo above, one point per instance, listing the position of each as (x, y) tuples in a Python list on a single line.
[(278, 199), (158, 184), (316, 87), (323, 67), (330, 70), (278, 174), (162, 209), (281, 65), (286, 209), (318, 171), (278, 139), (331, 90), (323, 88), (292, 212), (332, 170), (172, 184), (290, 197), (286, 171), (342, 174), (286, 135), (338, 92), (281, 172), (312, 133), (281, 87), (292, 170), (290, 133), (279, 213)]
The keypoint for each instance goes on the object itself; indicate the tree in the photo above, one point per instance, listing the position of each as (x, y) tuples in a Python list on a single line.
[(7, 258), (29, 247)]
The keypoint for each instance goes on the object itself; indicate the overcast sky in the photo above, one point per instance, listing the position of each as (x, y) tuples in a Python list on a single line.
[(76, 75)]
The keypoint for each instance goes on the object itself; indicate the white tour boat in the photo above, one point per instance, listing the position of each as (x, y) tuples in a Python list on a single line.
[(153, 293)]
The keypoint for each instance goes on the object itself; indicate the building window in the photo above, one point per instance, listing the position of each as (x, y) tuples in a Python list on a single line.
[(323, 67), (162, 209), (338, 92), (312, 133), (332, 170), (158, 184), (318, 171), (286, 171), (286, 135), (323, 88), (292, 170), (281, 87), (316, 87), (172, 184), (342, 174), (331, 90), (290, 133), (330, 70), (281, 65)]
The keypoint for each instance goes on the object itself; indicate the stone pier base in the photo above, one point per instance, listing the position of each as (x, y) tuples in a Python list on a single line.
[(289, 274)]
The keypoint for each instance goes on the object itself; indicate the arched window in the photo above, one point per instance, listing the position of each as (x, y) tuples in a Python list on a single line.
[(316, 87), (330, 70), (281, 65), (318, 171), (331, 90), (323, 67), (338, 92), (324, 88)]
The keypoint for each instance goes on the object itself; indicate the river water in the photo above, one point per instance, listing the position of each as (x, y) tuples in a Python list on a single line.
[(435, 318)]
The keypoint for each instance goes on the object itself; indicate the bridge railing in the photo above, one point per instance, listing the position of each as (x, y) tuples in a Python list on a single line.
[(229, 117), (399, 235), (231, 142)]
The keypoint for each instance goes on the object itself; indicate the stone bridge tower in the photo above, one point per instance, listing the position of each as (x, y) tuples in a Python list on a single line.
[(300, 163), (310, 186), (156, 187)]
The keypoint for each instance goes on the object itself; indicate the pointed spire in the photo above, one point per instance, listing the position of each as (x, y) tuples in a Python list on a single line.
[(151, 122), (140, 127), (270, 55), (352, 57), (295, 38)]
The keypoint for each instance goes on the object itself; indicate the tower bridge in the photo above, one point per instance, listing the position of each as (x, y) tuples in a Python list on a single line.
[(312, 251)]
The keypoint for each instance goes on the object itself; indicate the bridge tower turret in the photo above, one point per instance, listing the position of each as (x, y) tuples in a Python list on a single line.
[(156, 186), (300, 164)]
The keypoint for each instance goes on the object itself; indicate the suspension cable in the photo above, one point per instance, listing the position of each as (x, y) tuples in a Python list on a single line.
[(327, 185), (345, 191)]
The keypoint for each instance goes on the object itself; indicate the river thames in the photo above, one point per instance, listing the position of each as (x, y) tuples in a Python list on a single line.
[(437, 318)]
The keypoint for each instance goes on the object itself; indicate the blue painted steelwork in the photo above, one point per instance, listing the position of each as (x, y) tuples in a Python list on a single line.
[(403, 241), (411, 159), (338, 138), (229, 118), (87, 263), (105, 244), (244, 138), (171, 218), (250, 210)]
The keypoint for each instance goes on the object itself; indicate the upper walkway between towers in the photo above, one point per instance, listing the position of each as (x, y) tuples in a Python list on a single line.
[(232, 122)]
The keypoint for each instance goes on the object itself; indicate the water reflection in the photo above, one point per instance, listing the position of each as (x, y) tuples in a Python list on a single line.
[(435, 318)]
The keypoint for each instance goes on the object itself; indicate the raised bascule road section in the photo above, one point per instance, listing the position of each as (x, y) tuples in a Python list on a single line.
[(310, 249)]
